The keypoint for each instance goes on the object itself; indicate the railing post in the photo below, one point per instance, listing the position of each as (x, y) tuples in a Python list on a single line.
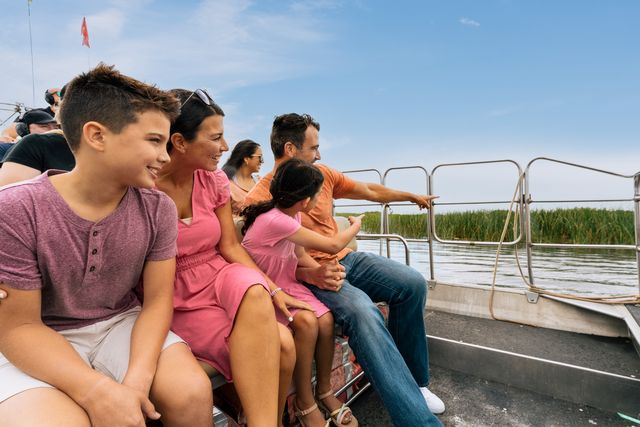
[(527, 219), (636, 206), (430, 223)]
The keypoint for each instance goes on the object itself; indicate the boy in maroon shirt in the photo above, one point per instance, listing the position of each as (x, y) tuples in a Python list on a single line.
[(76, 346)]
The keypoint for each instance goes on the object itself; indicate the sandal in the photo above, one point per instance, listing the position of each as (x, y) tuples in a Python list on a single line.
[(338, 415), (301, 413)]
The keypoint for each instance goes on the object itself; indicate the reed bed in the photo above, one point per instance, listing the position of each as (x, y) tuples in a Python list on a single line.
[(574, 225)]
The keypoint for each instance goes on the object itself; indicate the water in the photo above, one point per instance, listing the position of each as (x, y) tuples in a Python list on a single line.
[(579, 271)]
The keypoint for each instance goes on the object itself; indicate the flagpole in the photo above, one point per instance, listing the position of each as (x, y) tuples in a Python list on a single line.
[(33, 78)]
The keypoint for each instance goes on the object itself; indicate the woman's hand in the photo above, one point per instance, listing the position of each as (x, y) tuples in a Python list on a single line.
[(283, 301)]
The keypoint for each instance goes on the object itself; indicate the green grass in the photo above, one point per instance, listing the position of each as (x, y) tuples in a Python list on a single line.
[(575, 225)]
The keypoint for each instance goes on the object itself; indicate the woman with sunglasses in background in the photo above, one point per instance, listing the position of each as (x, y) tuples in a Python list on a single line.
[(241, 169), (223, 304)]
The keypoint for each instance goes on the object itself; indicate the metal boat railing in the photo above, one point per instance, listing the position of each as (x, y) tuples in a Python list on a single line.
[(522, 202)]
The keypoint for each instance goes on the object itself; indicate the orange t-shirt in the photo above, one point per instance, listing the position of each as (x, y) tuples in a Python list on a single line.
[(336, 185)]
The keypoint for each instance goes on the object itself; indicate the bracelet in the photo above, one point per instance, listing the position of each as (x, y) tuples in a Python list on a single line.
[(274, 292)]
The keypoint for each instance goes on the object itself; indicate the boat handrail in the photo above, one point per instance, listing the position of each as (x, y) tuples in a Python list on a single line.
[(522, 202)]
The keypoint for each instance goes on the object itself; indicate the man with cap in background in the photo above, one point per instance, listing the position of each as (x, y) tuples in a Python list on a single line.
[(44, 147), (35, 122)]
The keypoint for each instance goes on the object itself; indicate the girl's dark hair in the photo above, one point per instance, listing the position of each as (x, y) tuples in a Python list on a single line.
[(193, 111), (244, 148), (294, 180)]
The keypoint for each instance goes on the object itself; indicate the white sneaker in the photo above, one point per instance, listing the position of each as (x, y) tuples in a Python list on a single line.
[(435, 404)]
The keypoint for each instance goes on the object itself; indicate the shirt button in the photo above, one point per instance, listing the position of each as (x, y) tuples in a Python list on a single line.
[(93, 252), (95, 233), (92, 269)]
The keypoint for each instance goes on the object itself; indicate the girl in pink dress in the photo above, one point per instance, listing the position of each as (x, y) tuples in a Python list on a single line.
[(273, 237), (222, 302)]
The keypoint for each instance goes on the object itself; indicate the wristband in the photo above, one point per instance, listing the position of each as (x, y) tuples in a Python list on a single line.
[(274, 292)]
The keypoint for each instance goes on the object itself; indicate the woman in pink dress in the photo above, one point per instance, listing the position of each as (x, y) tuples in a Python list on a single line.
[(222, 302), (273, 238)]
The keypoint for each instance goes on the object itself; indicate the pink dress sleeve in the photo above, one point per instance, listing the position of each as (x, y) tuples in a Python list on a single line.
[(215, 185), (222, 188), (274, 226)]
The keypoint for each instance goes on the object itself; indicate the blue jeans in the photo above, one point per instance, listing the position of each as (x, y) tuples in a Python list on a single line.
[(395, 360)]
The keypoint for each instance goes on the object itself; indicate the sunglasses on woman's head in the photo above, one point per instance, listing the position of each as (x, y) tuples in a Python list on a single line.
[(203, 95)]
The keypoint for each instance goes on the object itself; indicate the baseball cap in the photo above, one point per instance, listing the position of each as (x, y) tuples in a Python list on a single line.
[(37, 117)]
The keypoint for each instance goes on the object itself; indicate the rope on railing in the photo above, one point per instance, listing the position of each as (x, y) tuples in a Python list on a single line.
[(604, 299)]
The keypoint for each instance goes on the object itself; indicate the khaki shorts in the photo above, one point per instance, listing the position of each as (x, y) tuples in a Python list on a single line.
[(103, 345)]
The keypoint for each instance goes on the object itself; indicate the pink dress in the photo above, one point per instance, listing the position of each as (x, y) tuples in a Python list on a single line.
[(266, 241), (208, 289)]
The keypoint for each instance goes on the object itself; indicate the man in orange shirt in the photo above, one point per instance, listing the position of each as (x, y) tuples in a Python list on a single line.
[(394, 359)]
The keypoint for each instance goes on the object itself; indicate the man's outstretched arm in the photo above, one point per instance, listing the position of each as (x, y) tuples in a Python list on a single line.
[(381, 194)]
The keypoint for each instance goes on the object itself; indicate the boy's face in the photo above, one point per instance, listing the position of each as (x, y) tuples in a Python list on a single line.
[(139, 151)]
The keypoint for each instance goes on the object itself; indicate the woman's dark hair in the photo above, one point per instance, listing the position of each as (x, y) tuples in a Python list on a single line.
[(244, 148), (193, 111), (294, 180)]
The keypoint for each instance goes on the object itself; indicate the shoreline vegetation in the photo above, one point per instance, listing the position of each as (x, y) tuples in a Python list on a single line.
[(574, 225)]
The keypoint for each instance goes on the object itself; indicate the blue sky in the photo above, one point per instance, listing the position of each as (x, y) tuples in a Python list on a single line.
[(392, 83)]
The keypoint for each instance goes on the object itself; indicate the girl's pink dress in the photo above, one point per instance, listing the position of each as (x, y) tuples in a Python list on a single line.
[(266, 241), (208, 289)]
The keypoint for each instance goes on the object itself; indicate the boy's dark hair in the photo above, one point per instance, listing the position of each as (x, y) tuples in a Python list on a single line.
[(106, 96), (290, 128), (243, 149), (294, 180), (193, 111)]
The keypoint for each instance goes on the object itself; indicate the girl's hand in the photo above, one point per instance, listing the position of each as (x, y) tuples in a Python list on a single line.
[(356, 220), (283, 300)]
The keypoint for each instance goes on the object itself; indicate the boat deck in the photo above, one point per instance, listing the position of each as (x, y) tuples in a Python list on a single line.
[(472, 400), (614, 355)]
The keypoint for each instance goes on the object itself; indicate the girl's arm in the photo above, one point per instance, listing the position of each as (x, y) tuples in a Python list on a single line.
[(329, 276), (311, 240), (304, 259)]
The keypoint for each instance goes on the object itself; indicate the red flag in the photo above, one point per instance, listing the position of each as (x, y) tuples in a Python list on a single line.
[(85, 33)]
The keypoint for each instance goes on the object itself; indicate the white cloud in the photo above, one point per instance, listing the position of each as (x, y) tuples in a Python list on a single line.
[(469, 22), (221, 44)]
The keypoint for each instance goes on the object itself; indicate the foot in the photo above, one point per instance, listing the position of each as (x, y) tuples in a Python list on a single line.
[(434, 403), (332, 404), (309, 415)]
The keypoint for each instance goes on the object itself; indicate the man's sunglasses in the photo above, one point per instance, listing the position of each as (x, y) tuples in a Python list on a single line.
[(203, 95)]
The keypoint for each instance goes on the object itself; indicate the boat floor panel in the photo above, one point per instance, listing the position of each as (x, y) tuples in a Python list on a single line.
[(472, 401), (614, 355)]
